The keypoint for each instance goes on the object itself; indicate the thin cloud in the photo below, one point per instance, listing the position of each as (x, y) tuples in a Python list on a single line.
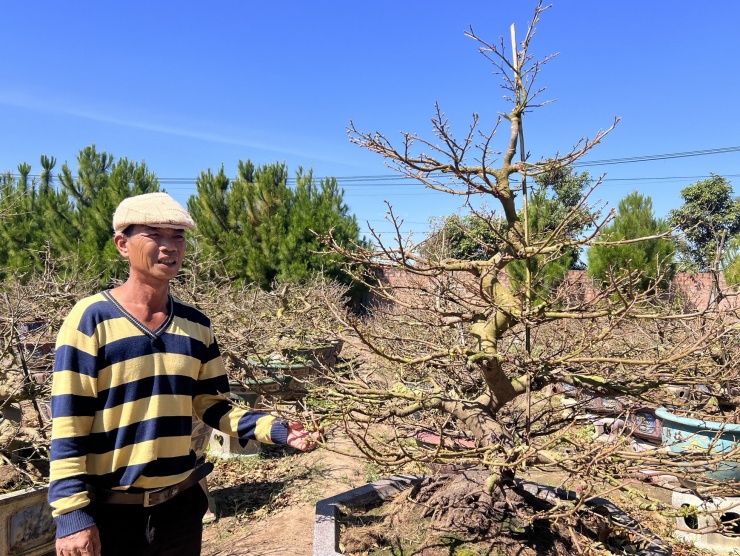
[(37, 105)]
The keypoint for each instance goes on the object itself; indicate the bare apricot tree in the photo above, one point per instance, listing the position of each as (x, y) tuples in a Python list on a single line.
[(32, 309), (467, 361)]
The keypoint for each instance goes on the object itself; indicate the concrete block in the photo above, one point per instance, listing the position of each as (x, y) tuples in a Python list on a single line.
[(26, 525), (224, 446), (608, 427), (713, 515)]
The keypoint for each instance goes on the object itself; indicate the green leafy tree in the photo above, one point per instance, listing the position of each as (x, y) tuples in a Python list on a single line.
[(710, 213), (70, 224), (29, 219), (99, 186), (650, 260), (730, 261), (464, 237), (555, 207), (262, 230)]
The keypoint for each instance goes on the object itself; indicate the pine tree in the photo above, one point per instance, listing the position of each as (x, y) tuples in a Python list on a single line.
[(24, 236), (96, 191), (651, 260), (263, 230), (553, 205), (316, 209)]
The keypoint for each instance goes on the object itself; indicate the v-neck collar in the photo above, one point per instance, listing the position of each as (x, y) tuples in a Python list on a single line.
[(156, 333)]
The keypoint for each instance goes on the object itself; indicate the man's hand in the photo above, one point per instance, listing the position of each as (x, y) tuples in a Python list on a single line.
[(81, 543), (300, 439)]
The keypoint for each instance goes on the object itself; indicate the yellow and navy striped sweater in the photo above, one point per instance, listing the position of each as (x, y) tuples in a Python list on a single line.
[(122, 403)]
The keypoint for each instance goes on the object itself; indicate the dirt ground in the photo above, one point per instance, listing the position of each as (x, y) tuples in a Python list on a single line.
[(280, 520), (288, 531)]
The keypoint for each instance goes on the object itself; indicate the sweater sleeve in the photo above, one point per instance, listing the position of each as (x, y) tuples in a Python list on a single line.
[(212, 406), (74, 391)]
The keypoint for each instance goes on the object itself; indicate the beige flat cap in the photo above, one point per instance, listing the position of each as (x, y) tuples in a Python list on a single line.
[(158, 210)]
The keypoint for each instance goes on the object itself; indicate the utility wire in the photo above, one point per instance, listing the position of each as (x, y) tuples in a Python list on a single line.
[(359, 181), (651, 157)]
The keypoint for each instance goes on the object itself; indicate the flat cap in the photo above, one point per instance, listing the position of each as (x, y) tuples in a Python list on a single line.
[(158, 210)]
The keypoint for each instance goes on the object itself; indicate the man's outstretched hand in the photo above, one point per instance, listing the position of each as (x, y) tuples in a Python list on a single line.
[(300, 439), (81, 543)]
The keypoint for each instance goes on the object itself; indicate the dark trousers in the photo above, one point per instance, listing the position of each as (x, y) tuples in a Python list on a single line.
[(173, 528)]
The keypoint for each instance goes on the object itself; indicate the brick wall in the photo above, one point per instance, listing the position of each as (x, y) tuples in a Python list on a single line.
[(695, 288)]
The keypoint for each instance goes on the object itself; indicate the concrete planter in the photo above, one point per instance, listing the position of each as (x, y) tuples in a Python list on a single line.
[(705, 528), (326, 526), (604, 405), (26, 525), (323, 354), (682, 435)]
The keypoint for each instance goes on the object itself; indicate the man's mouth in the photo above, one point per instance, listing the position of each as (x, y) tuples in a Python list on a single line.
[(167, 262)]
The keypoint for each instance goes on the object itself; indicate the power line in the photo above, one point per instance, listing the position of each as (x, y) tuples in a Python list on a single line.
[(606, 180), (394, 180), (651, 157)]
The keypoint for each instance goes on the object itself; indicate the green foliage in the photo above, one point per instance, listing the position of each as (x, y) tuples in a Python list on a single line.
[(554, 209), (731, 262), (25, 213), (72, 223), (469, 238), (650, 259), (372, 472), (259, 228), (263, 230), (709, 213), (97, 190)]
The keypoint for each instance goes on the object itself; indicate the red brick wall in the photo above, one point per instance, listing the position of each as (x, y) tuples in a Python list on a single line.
[(697, 288)]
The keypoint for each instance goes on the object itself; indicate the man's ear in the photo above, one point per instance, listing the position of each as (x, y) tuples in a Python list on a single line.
[(121, 242)]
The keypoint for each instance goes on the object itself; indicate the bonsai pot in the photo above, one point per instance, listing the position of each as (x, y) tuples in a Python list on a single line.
[(26, 525), (683, 434), (644, 424), (324, 353), (283, 370), (326, 526)]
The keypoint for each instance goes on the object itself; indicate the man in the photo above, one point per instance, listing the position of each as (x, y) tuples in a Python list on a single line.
[(132, 363)]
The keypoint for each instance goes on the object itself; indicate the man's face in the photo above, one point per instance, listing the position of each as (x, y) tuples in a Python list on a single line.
[(153, 253)]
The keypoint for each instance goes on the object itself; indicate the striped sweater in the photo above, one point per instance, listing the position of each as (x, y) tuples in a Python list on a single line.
[(122, 403)]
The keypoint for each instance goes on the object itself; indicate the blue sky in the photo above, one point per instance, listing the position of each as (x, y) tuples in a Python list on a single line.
[(188, 86)]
